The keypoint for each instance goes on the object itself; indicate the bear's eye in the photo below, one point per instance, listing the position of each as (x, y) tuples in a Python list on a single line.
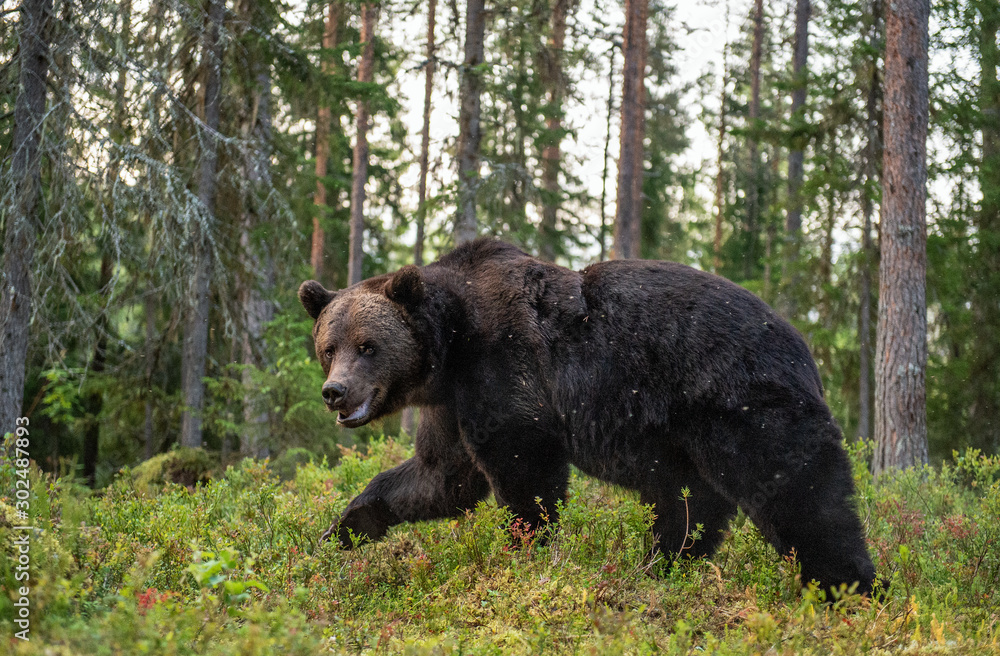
[(328, 353), (367, 349)]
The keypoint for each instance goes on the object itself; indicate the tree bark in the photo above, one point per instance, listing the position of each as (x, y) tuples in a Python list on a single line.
[(355, 256), (628, 213), (425, 136), (602, 234), (21, 233), (195, 350), (94, 401), (258, 265), (752, 221), (984, 412), (149, 439), (119, 134), (720, 174), (554, 80), (408, 421), (900, 395), (873, 151), (470, 130), (796, 157), (324, 120)]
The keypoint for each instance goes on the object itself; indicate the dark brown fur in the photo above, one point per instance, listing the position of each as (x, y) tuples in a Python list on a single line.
[(649, 375)]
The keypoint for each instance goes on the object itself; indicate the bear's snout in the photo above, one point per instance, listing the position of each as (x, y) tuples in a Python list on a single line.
[(333, 393)]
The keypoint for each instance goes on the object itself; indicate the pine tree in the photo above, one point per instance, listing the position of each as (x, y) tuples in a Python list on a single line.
[(985, 371), (555, 81), (751, 222), (355, 258), (470, 130), (21, 206), (628, 212), (425, 135), (195, 352), (900, 394), (324, 122), (796, 154)]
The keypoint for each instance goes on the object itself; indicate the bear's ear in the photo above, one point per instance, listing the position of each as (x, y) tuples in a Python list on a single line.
[(406, 287), (314, 297)]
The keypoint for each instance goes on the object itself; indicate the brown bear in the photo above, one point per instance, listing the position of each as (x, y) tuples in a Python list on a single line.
[(649, 375)]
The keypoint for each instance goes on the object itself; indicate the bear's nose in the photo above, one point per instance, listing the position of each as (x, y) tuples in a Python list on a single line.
[(333, 393)]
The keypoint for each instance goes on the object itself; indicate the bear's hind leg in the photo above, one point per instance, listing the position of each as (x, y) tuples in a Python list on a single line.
[(786, 468), (813, 515)]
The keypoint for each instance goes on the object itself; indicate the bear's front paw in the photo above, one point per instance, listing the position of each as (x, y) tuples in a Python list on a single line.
[(330, 532), (368, 522)]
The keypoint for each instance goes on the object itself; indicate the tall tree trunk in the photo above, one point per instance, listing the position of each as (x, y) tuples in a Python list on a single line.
[(95, 399), (900, 394), (873, 152), (985, 409), (469, 128), (324, 120), (720, 174), (796, 154), (151, 350), (425, 135), (257, 307), (771, 232), (602, 234), (752, 220), (554, 80), (149, 438), (355, 257), (408, 420), (195, 351), (19, 238), (796, 157), (628, 213)]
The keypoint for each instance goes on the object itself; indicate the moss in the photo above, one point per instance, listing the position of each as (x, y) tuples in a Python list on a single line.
[(183, 466), (285, 465)]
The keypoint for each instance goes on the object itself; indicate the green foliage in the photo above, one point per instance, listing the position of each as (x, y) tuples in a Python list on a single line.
[(233, 567)]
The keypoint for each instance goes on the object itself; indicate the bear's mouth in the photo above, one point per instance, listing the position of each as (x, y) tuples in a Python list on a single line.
[(360, 415)]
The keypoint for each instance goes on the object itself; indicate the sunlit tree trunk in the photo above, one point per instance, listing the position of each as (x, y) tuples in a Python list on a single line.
[(324, 120), (628, 213), (425, 135), (469, 128), (21, 214), (554, 80), (355, 255), (195, 350), (900, 395)]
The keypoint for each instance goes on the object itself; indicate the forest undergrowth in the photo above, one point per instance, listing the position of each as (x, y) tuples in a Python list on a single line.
[(232, 565)]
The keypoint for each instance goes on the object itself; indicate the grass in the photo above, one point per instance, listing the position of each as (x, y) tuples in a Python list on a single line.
[(232, 566)]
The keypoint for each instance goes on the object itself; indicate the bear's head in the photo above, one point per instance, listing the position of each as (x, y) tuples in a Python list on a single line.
[(367, 344)]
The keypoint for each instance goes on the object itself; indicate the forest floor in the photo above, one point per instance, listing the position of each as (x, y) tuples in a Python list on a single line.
[(233, 566)]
